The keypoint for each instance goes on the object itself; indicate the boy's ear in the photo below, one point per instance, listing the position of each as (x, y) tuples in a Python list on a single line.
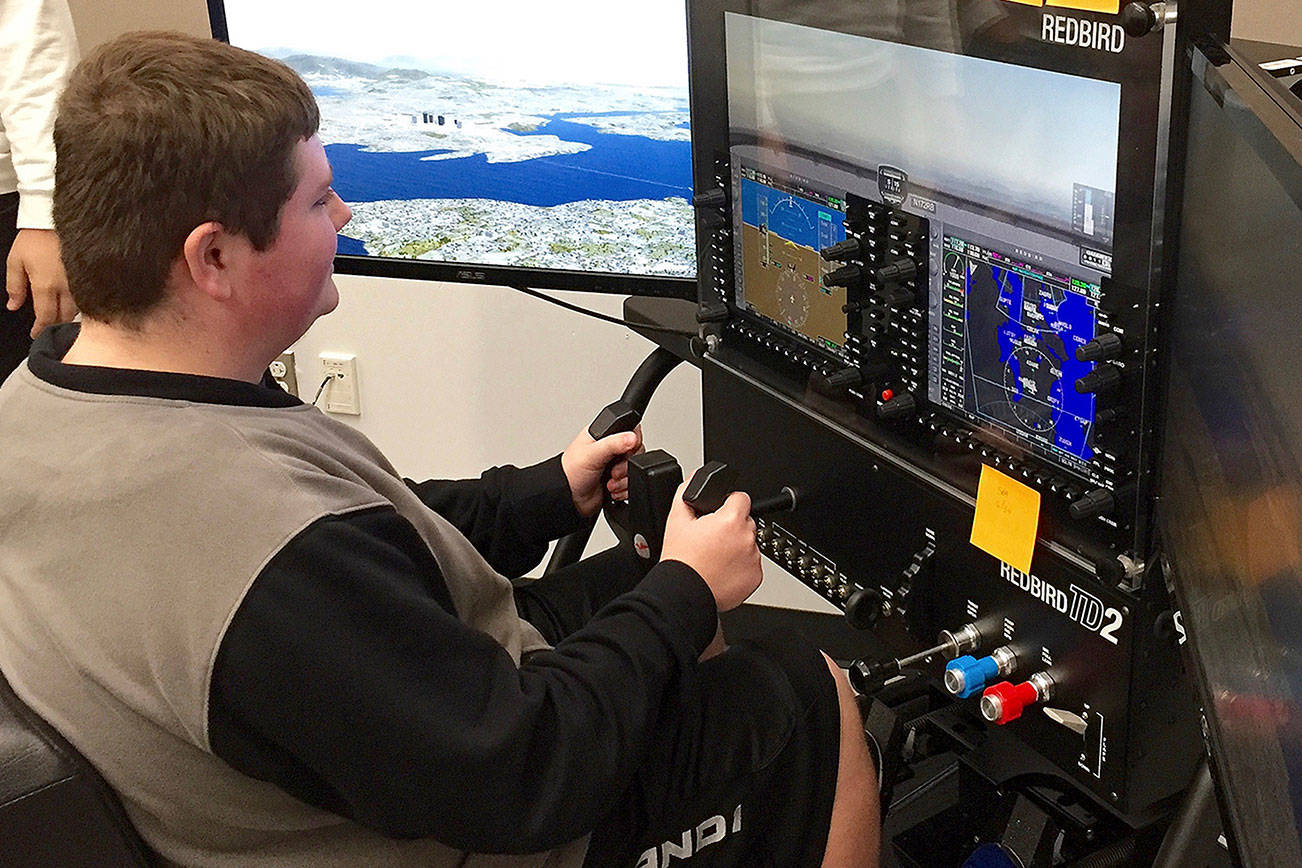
[(208, 256)]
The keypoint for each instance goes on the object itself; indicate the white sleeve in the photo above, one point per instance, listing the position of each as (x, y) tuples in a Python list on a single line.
[(38, 50)]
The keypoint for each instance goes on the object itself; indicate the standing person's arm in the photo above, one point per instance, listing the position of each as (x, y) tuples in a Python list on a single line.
[(38, 50)]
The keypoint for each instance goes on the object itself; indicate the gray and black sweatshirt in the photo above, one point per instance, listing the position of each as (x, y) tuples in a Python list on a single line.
[(280, 652)]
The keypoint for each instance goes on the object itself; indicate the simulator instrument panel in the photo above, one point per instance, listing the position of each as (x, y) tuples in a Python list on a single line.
[(934, 242)]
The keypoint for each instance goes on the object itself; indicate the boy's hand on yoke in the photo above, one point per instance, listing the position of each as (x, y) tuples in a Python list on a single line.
[(588, 462)]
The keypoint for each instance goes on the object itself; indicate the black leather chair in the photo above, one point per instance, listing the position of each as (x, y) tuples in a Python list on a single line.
[(55, 809)]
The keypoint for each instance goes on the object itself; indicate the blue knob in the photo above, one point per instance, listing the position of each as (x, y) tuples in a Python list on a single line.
[(966, 676)]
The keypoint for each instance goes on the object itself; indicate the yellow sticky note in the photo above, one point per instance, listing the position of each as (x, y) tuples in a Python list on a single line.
[(1007, 517), (1112, 7)]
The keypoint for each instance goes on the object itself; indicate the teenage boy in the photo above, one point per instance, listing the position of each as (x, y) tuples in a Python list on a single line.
[(280, 652)]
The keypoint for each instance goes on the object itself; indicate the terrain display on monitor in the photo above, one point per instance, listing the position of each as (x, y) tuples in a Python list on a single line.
[(550, 136)]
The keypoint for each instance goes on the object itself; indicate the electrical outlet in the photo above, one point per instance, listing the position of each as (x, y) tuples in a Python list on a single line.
[(341, 394), (284, 372)]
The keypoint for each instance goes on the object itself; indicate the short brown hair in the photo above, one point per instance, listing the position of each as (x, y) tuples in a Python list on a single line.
[(156, 134)]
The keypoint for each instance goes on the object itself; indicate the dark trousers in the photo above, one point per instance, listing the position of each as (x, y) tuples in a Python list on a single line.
[(15, 326), (742, 770)]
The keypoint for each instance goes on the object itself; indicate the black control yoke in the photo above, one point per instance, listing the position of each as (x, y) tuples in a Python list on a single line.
[(622, 415), (710, 486)]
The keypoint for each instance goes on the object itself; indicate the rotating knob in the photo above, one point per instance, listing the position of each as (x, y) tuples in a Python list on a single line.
[(893, 297), (1097, 502), (1104, 378), (850, 248), (1105, 346), (864, 607), (897, 407), (1140, 19), (715, 197), (846, 378), (898, 271), (847, 276)]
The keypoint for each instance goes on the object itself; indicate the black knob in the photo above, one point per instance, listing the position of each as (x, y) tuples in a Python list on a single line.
[(852, 307), (783, 501), (899, 270), (850, 248), (846, 275), (864, 608), (713, 198), (711, 221), (1103, 378), (1097, 502), (846, 378), (1105, 346), (893, 297), (1106, 415), (1138, 19), (898, 407)]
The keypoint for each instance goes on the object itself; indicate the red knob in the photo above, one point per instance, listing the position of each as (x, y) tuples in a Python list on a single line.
[(1005, 702)]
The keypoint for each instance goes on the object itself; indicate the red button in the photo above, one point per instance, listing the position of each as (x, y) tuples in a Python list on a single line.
[(887, 395)]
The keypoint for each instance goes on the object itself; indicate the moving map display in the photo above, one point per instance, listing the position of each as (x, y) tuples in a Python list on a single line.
[(1008, 347), (784, 224)]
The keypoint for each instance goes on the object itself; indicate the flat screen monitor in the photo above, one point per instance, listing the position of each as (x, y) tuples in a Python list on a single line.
[(1014, 170), (1230, 505), (510, 142)]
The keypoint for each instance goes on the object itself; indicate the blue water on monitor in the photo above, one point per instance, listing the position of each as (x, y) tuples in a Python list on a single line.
[(616, 167), (1021, 336)]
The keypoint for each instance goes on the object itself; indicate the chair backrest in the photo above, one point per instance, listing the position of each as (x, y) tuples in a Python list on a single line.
[(55, 809)]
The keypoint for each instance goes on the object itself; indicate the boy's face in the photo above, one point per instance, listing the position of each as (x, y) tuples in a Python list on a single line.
[(296, 273)]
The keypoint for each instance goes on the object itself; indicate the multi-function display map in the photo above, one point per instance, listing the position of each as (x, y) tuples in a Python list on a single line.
[(784, 225), (1008, 348)]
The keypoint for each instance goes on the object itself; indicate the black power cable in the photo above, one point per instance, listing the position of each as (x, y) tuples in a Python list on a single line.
[(601, 316)]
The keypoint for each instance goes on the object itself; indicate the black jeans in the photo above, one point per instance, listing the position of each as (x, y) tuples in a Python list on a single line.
[(742, 771)]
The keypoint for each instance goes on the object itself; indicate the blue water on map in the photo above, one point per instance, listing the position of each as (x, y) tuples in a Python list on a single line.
[(1071, 319)]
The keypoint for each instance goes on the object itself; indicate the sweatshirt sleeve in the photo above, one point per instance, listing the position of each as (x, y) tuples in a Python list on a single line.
[(346, 679), (509, 514), (38, 50)]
